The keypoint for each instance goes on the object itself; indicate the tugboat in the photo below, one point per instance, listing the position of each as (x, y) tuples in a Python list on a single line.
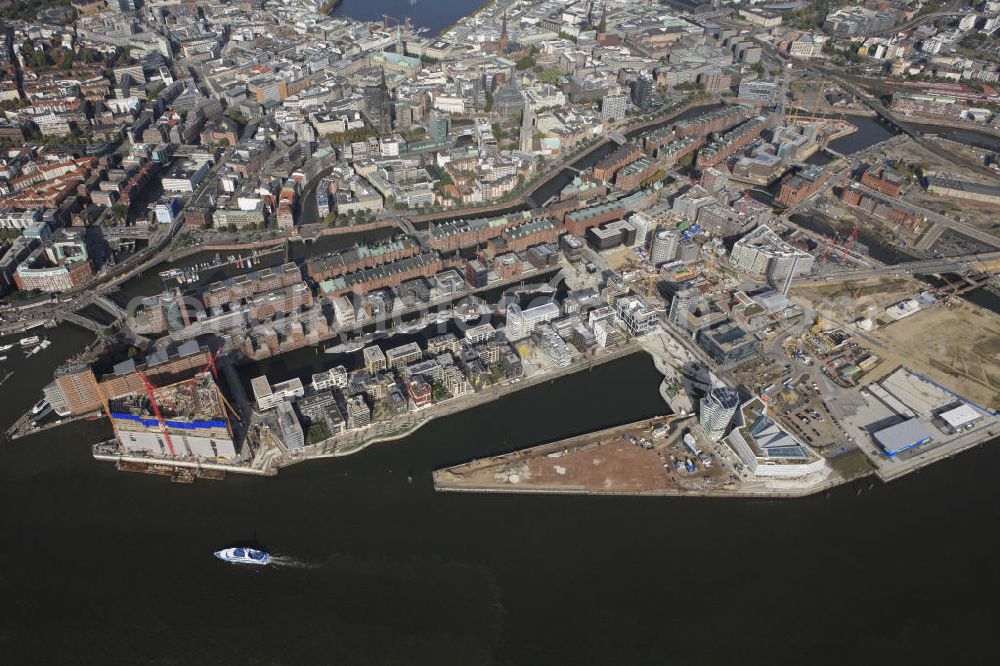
[(243, 556)]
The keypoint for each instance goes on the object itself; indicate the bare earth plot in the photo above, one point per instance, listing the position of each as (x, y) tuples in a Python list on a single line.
[(958, 347), (847, 301)]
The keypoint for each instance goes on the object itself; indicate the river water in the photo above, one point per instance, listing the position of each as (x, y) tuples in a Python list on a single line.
[(435, 15), (101, 567)]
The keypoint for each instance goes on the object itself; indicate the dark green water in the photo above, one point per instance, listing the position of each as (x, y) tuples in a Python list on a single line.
[(101, 567)]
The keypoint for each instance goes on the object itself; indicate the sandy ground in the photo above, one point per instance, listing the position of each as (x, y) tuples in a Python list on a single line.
[(958, 347), (600, 462), (847, 301), (915, 154)]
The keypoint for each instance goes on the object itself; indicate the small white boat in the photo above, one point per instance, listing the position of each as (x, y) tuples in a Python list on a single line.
[(39, 406), (27, 342), (41, 415), (3, 358), (4, 348), (243, 556), (45, 343)]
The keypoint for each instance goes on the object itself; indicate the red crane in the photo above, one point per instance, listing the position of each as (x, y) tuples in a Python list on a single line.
[(849, 245), (151, 392), (215, 373)]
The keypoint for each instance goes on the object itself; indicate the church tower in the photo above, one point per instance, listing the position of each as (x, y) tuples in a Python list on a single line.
[(504, 38)]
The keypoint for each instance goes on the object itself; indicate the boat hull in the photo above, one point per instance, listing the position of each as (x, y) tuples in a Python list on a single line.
[(243, 556)]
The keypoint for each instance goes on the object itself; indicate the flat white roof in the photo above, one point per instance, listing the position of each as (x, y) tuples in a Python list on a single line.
[(293, 384), (961, 416), (261, 387)]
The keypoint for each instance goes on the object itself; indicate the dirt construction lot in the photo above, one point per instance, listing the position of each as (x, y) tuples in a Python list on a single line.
[(958, 347), (847, 301)]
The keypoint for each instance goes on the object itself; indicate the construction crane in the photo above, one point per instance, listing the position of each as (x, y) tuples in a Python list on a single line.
[(849, 245), (215, 373), (822, 85), (151, 392), (398, 25), (650, 285)]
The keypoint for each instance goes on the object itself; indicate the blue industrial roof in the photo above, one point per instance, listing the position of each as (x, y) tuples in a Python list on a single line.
[(183, 425), (902, 436)]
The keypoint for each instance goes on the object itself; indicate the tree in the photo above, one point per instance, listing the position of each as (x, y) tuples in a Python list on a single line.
[(439, 392), (118, 212), (689, 85), (527, 62)]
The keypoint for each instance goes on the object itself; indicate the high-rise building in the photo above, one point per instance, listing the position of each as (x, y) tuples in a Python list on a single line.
[(643, 225), (664, 247), (358, 413), (374, 359), (185, 419), (521, 323), (642, 91), (762, 253), (289, 427), (439, 125), (613, 106), (716, 411), (685, 300), (762, 92)]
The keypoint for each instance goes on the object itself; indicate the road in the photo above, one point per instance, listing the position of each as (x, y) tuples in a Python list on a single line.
[(926, 267), (917, 21)]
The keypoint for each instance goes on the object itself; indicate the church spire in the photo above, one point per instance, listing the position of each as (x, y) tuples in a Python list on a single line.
[(603, 29), (504, 39)]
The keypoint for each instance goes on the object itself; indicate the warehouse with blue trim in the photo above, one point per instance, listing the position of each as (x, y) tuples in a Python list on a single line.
[(902, 436)]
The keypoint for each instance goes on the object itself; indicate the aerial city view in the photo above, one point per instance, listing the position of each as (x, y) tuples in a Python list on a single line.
[(504, 332)]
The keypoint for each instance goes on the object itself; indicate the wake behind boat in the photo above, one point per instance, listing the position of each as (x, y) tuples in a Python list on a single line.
[(243, 556)]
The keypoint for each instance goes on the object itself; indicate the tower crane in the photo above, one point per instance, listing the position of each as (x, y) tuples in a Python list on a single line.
[(215, 373), (849, 245), (151, 392)]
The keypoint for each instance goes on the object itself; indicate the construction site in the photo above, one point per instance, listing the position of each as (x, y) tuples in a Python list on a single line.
[(890, 322), (179, 427), (956, 346), (646, 457), (182, 420)]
